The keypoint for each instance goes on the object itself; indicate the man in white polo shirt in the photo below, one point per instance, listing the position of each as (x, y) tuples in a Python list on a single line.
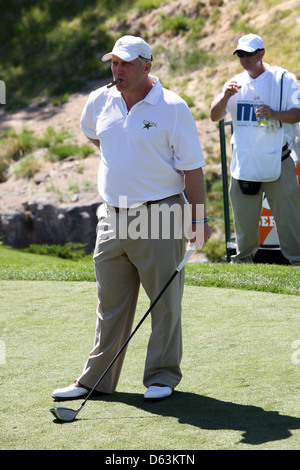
[(264, 105), (149, 154)]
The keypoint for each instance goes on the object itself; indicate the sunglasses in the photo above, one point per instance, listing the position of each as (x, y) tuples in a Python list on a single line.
[(247, 54)]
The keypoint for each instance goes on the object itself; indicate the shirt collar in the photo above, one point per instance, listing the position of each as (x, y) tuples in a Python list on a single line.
[(155, 92)]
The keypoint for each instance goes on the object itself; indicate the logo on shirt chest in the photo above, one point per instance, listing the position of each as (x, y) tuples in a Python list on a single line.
[(148, 124), (245, 112)]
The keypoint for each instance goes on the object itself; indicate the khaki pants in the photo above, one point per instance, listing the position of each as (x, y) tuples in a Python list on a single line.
[(284, 201), (121, 264)]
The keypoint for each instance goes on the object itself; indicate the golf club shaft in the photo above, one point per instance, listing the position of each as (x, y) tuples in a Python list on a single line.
[(178, 269)]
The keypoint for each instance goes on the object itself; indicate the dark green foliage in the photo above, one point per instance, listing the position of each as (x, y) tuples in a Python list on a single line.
[(72, 251), (50, 48)]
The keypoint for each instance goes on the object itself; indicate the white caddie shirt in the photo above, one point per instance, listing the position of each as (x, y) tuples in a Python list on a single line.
[(143, 152), (257, 150)]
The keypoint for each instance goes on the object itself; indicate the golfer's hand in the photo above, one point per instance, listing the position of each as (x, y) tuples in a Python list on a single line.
[(199, 234)]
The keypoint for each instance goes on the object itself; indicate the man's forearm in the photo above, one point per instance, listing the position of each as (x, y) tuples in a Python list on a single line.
[(290, 117), (218, 109), (195, 190)]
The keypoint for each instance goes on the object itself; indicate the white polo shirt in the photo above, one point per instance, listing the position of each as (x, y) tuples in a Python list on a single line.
[(143, 152)]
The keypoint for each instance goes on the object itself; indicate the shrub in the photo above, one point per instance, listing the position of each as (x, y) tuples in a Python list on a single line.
[(72, 251)]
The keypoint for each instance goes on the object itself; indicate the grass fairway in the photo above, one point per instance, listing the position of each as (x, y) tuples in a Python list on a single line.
[(240, 386)]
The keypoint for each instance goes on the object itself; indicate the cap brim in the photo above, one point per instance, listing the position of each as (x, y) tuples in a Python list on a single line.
[(121, 54), (245, 49)]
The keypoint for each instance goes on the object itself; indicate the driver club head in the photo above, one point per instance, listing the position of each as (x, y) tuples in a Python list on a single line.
[(64, 414)]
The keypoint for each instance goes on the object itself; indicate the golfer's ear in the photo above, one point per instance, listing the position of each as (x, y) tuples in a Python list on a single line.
[(147, 67)]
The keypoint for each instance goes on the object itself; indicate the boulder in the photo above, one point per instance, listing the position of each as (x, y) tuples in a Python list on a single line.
[(41, 222)]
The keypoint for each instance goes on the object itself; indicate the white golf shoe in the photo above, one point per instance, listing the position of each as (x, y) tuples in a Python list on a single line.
[(157, 392), (72, 391)]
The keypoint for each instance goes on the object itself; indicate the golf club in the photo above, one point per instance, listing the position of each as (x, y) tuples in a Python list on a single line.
[(67, 414)]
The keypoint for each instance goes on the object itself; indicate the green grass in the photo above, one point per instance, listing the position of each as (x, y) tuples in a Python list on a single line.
[(239, 388), (16, 265), (240, 364), (258, 277)]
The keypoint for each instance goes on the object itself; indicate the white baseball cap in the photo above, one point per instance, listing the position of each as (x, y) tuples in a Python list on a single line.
[(249, 43), (129, 48)]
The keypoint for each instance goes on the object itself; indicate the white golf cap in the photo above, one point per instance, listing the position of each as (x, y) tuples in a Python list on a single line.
[(249, 43), (129, 48)]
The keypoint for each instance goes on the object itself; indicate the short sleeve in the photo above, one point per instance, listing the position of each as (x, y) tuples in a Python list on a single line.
[(87, 120), (185, 141), (293, 97)]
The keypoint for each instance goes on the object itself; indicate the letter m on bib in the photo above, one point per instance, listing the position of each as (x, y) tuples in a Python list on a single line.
[(245, 112)]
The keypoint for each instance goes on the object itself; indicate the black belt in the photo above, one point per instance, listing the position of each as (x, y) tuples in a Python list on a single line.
[(148, 203), (285, 152), (118, 209)]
